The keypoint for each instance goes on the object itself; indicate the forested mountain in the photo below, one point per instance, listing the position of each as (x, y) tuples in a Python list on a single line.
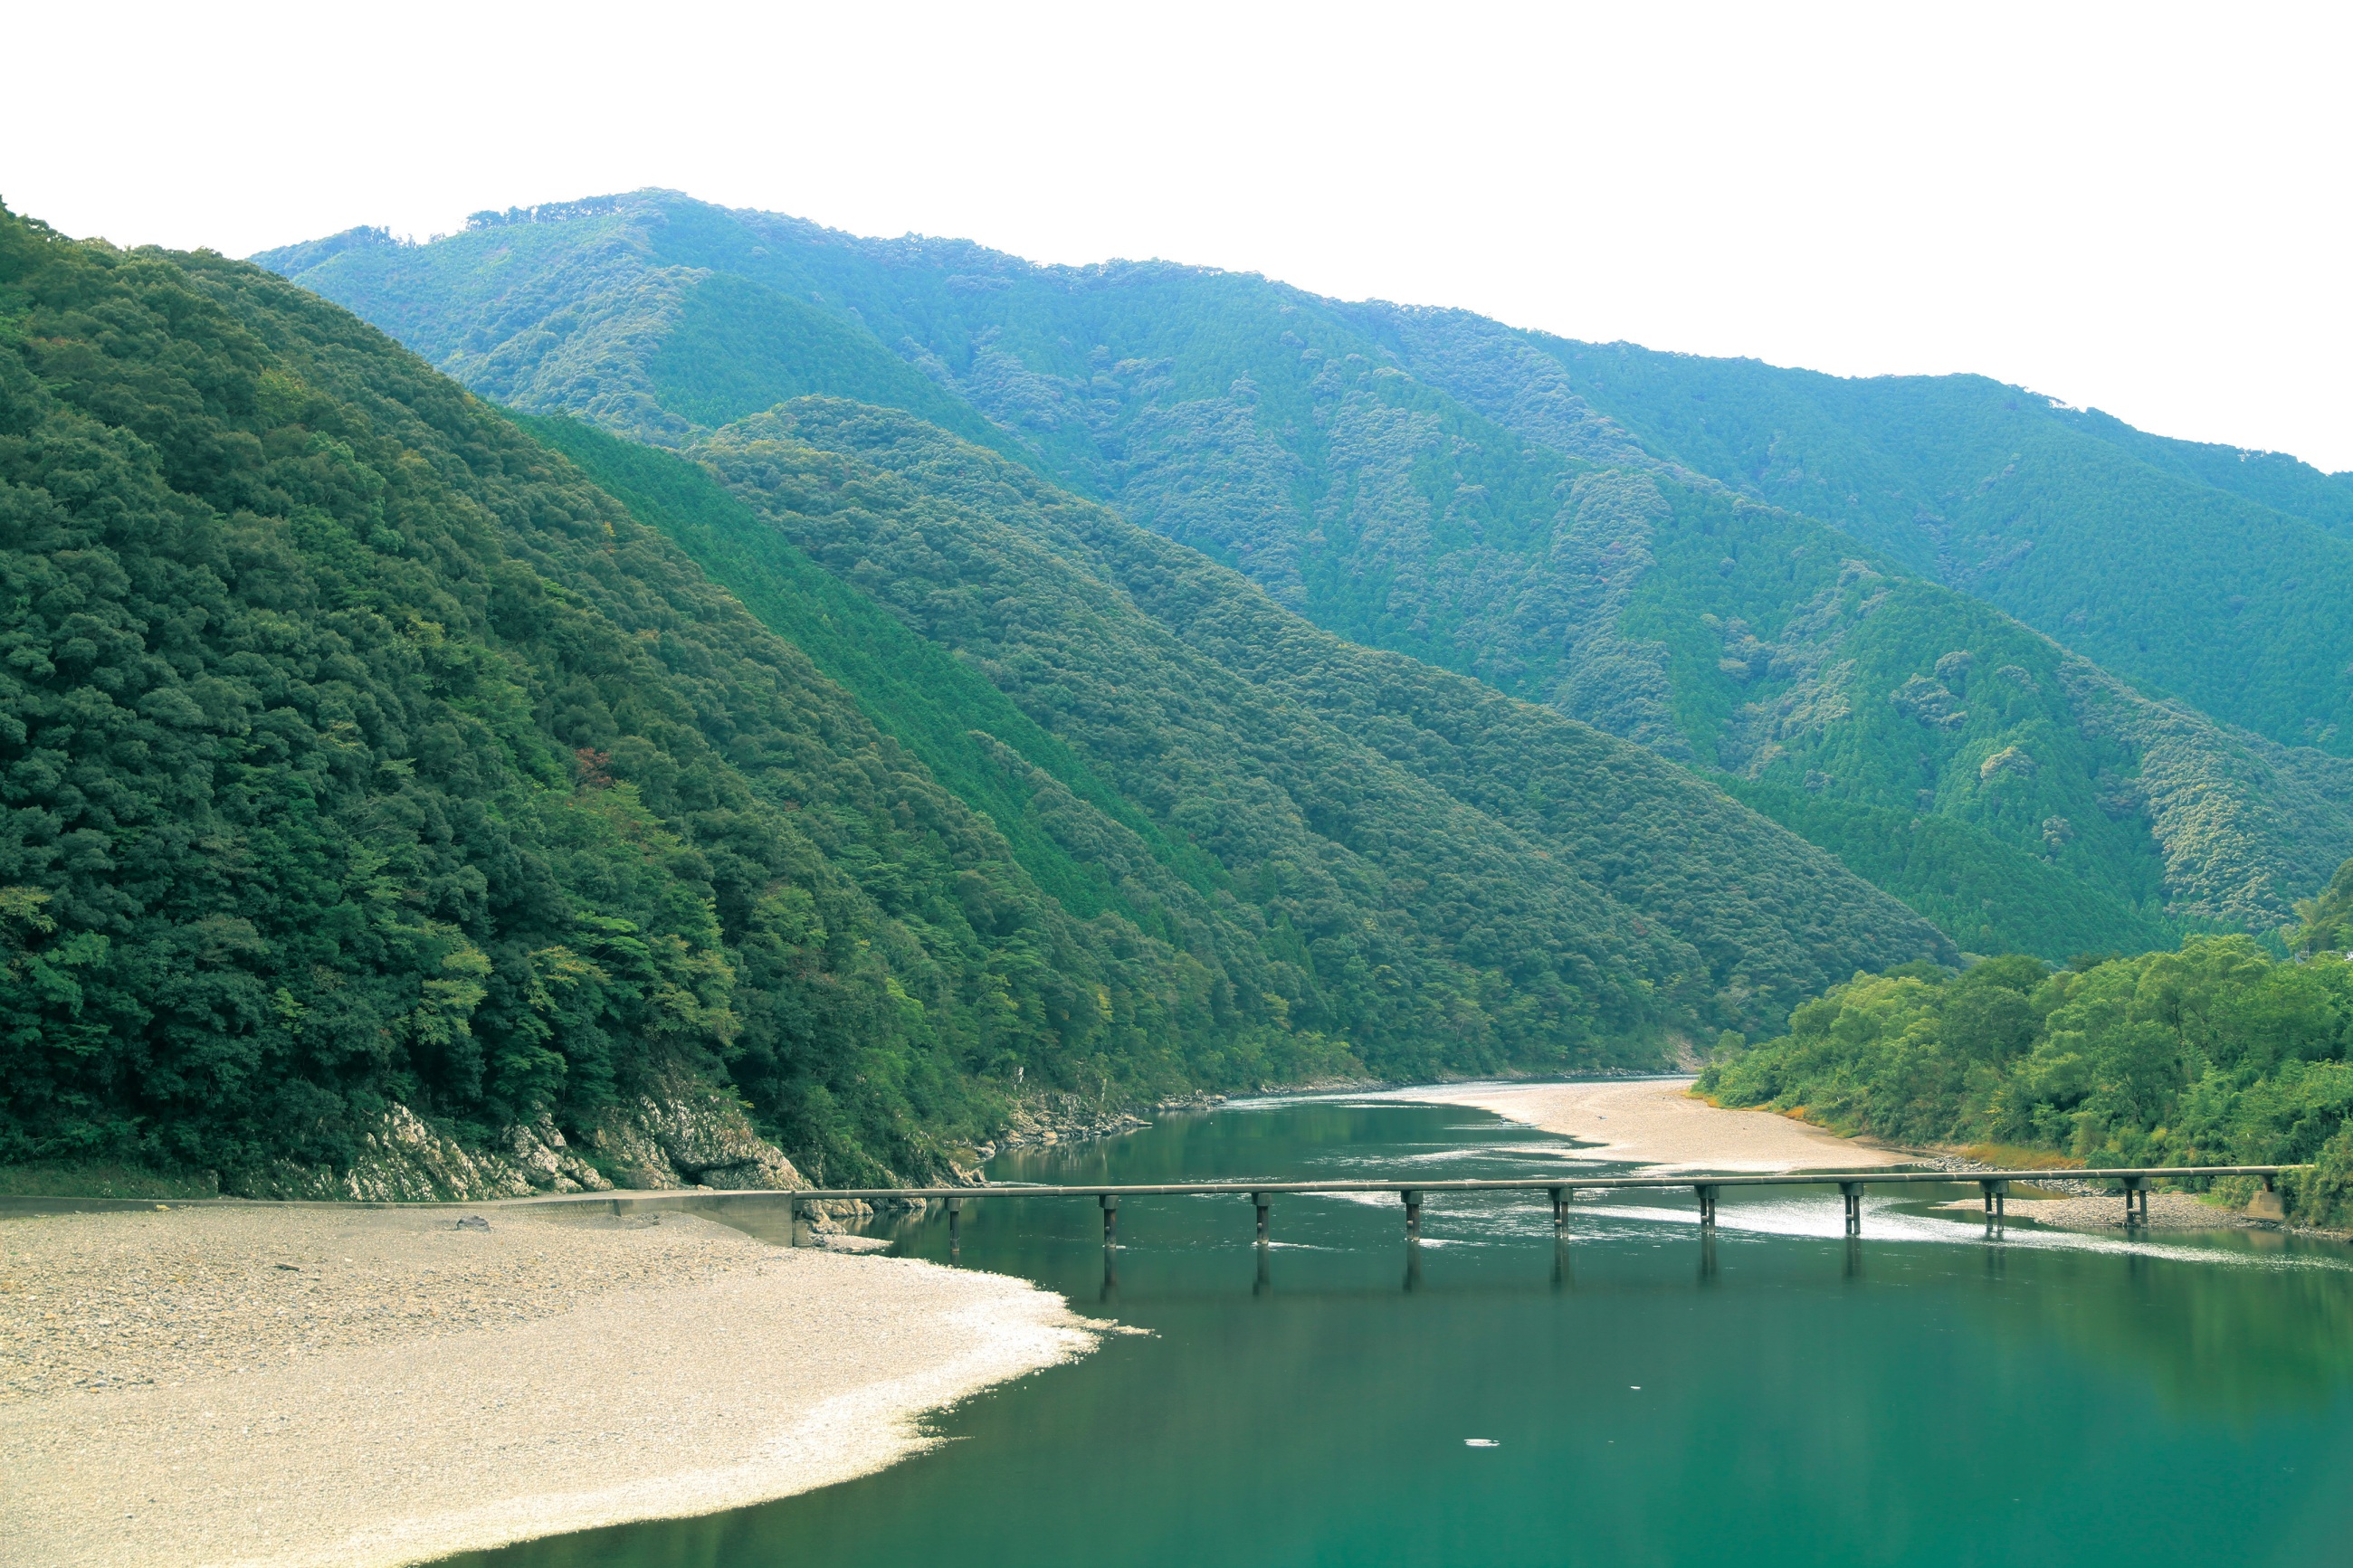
[(359, 752), (1381, 806), (1485, 501), (2242, 562)]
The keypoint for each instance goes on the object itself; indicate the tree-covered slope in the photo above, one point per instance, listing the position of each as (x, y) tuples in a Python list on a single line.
[(649, 318), (2273, 479), (1884, 716), (943, 710), (358, 752), (1636, 897), (1402, 749), (2242, 563), (1438, 485)]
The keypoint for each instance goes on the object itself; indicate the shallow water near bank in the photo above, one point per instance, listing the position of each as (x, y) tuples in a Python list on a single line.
[(1638, 1394)]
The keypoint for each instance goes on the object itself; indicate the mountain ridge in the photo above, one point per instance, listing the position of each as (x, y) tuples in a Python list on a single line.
[(1430, 482)]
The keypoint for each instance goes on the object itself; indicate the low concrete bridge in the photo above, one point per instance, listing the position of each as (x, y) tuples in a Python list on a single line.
[(2134, 1185)]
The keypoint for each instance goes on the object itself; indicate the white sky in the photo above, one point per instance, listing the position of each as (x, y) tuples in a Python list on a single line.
[(2139, 207)]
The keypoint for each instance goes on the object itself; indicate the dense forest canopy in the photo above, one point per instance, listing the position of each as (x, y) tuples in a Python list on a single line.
[(1271, 751), (359, 750), (2326, 921), (1629, 539)]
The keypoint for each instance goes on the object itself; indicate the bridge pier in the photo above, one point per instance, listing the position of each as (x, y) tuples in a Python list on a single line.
[(2136, 1193), (2266, 1204), (955, 1225), (1996, 1198), (1559, 1210), (1261, 1201), (1412, 1196), (1706, 1205), (1852, 1192), (1111, 1217)]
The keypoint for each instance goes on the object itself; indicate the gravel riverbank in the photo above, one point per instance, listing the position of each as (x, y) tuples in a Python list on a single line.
[(320, 1385)]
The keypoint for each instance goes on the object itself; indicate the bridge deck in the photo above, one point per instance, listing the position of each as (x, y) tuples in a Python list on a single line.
[(1413, 1190), (1881, 1176)]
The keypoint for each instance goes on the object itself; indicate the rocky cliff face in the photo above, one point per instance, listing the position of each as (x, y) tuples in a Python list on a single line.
[(682, 1134), (686, 1136)]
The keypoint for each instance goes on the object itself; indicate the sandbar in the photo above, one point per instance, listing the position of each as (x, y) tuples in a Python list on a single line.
[(299, 1387), (1658, 1121)]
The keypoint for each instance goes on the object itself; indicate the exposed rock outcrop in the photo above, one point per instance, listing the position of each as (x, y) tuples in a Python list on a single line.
[(682, 1134), (686, 1135), (403, 1159), (547, 1162)]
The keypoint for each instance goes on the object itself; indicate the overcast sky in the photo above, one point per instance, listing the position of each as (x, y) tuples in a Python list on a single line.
[(2138, 207)]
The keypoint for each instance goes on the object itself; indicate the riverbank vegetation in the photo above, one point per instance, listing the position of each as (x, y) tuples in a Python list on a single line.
[(2211, 1053)]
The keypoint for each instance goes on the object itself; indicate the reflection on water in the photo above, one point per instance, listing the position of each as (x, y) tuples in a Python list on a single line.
[(1772, 1393)]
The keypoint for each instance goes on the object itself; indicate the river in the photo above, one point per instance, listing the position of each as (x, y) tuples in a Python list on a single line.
[(1637, 1394)]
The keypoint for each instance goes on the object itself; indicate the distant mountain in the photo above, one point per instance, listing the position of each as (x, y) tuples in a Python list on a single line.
[(373, 770), (1622, 536), (2218, 575)]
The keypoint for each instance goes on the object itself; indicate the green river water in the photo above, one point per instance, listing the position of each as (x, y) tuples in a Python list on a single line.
[(1777, 1396)]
